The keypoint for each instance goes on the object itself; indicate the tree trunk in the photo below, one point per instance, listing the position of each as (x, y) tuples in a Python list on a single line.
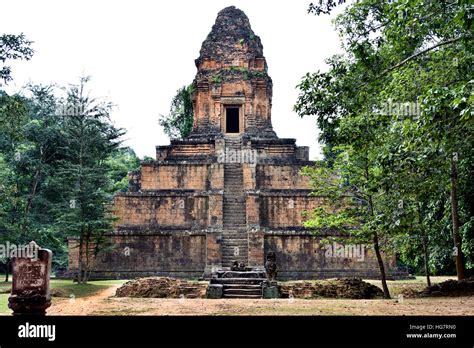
[(80, 264), (86, 266), (7, 270), (426, 256), (460, 267), (383, 277)]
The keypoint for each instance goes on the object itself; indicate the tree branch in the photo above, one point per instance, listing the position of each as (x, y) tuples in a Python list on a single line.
[(403, 62)]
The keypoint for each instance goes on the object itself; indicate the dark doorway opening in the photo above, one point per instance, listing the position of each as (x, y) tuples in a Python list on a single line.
[(232, 120)]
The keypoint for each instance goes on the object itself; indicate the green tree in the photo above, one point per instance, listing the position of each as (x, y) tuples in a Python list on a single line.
[(83, 204), (12, 116), (13, 47), (414, 52), (120, 163), (179, 122)]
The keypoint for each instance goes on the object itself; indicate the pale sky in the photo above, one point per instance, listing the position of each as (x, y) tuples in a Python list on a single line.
[(140, 52)]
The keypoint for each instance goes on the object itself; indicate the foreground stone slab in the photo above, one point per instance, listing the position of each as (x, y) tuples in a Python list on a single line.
[(30, 288)]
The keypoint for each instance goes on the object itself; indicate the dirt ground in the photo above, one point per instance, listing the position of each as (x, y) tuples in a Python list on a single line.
[(103, 303)]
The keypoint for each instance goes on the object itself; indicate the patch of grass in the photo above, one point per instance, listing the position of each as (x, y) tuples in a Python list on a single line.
[(4, 304), (83, 290), (5, 286)]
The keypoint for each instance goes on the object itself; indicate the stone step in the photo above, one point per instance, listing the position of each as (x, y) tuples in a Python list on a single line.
[(229, 256), (242, 296), (234, 241), (237, 281), (234, 212), (257, 274), (242, 291), (229, 259), (243, 286), (229, 252), (230, 249)]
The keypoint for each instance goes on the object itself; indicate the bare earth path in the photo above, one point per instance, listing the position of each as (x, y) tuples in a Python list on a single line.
[(103, 303), (81, 306)]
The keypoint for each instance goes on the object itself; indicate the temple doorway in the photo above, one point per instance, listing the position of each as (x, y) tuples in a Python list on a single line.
[(232, 120)]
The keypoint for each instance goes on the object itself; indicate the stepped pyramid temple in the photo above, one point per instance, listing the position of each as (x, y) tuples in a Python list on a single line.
[(231, 191)]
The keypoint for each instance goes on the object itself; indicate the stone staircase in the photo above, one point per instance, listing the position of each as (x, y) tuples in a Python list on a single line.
[(239, 284), (234, 238)]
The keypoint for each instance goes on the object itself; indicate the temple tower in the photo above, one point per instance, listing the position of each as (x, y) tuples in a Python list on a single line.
[(232, 89)]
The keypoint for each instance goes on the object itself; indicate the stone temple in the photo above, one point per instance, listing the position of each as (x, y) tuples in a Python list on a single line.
[(231, 191)]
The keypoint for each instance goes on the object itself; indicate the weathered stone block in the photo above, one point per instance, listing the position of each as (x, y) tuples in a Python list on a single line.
[(270, 291), (214, 291), (30, 287)]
